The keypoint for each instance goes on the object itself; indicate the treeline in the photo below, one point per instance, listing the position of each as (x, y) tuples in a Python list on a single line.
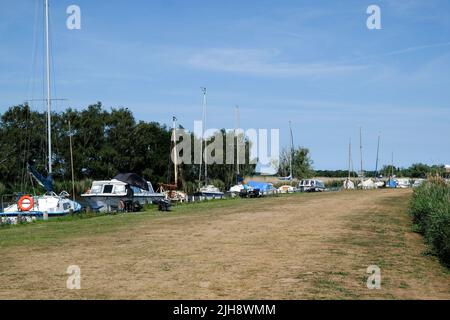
[(104, 144), (417, 170)]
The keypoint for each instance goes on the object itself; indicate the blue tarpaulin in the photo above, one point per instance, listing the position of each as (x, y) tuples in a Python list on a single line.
[(391, 183), (262, 186)]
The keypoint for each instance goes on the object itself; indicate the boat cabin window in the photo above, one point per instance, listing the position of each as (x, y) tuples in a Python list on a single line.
[(136, 190), (108, 188), (96, 189)]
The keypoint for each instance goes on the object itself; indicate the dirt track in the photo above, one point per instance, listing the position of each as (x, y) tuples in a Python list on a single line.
[(311, 246)]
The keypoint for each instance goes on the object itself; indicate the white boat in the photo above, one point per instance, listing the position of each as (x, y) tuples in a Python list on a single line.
[(403, 183), (50, 203), (348, 184), (111, 195), (210, 192), (286, 189), (368, 184), (418, 182), (236, 190), (36, 206), (311, 185), (379, 183)]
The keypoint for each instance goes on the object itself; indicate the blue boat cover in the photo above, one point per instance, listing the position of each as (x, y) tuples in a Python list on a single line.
[(391, 183), (262, 186)]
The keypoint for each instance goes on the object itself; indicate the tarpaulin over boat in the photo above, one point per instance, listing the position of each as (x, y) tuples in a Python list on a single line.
[(133, 180), (262, 186)]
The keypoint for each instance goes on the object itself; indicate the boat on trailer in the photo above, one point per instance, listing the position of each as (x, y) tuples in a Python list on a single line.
[(311, 185), (113, 195), (209, 192)]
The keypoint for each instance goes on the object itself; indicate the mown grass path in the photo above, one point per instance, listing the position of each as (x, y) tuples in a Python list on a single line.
[(309, 246)]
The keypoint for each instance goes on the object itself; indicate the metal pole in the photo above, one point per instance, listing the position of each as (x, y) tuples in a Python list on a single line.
[(349, 158), (237, 139), (292, 151), (175, 152), (71, 162), (361, 154), (203, 132), (48, 88), (378, 152), (392, 165)]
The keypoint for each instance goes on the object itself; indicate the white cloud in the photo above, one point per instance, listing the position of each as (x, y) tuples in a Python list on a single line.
[(262, 62)]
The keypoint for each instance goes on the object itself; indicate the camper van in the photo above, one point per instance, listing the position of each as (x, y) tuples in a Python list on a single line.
[(311, 185)]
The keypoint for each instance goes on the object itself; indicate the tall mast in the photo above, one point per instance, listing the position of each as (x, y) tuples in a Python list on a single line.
[(237, 139), (349, 158), (291, 151), (361, 153), (49, 120), (175, 151), (203, 132), (71, 162), (378, 152), (392, 165)]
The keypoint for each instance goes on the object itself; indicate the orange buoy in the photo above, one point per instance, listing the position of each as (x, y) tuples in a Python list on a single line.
[(27, 206)]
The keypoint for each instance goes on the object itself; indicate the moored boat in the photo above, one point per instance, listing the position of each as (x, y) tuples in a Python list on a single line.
[(114, 195)]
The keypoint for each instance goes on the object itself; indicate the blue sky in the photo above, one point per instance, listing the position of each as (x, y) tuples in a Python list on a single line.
[(312, 62)]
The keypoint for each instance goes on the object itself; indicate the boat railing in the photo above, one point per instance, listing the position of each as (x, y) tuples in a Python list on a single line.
[(10, 200)]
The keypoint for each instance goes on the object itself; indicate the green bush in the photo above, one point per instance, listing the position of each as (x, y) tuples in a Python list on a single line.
[(2, 188), (430, 211), (218, 183), (334, 183)]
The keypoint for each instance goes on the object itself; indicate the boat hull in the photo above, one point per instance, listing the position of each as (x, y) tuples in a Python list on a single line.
[(112, 203), (53, 206)]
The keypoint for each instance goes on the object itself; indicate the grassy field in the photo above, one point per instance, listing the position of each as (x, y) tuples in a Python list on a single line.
[(302, 246)]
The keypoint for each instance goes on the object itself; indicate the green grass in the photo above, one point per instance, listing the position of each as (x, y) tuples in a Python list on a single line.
[(59, 230)]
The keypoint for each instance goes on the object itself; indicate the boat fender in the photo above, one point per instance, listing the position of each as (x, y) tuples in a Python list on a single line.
[(25, 207)]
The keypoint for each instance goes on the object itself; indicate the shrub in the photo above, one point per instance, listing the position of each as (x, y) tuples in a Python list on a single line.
[(218, 183), (334, 183), (430, 211)]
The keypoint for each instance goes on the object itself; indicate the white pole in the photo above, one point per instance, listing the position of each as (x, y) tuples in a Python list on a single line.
[(349, 158), (175, 152), (378, 153), (361, 154), (49, 129), (291, 152), (203, 132), (237, 139), (71, 163)]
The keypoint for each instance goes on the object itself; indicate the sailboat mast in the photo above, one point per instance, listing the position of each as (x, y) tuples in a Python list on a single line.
[(175, 151), (71, 162), (203, 132), (291, 151), (237, 139), (349, 158), (49, 120), (392, 164), (361, 153), (378, 152)]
